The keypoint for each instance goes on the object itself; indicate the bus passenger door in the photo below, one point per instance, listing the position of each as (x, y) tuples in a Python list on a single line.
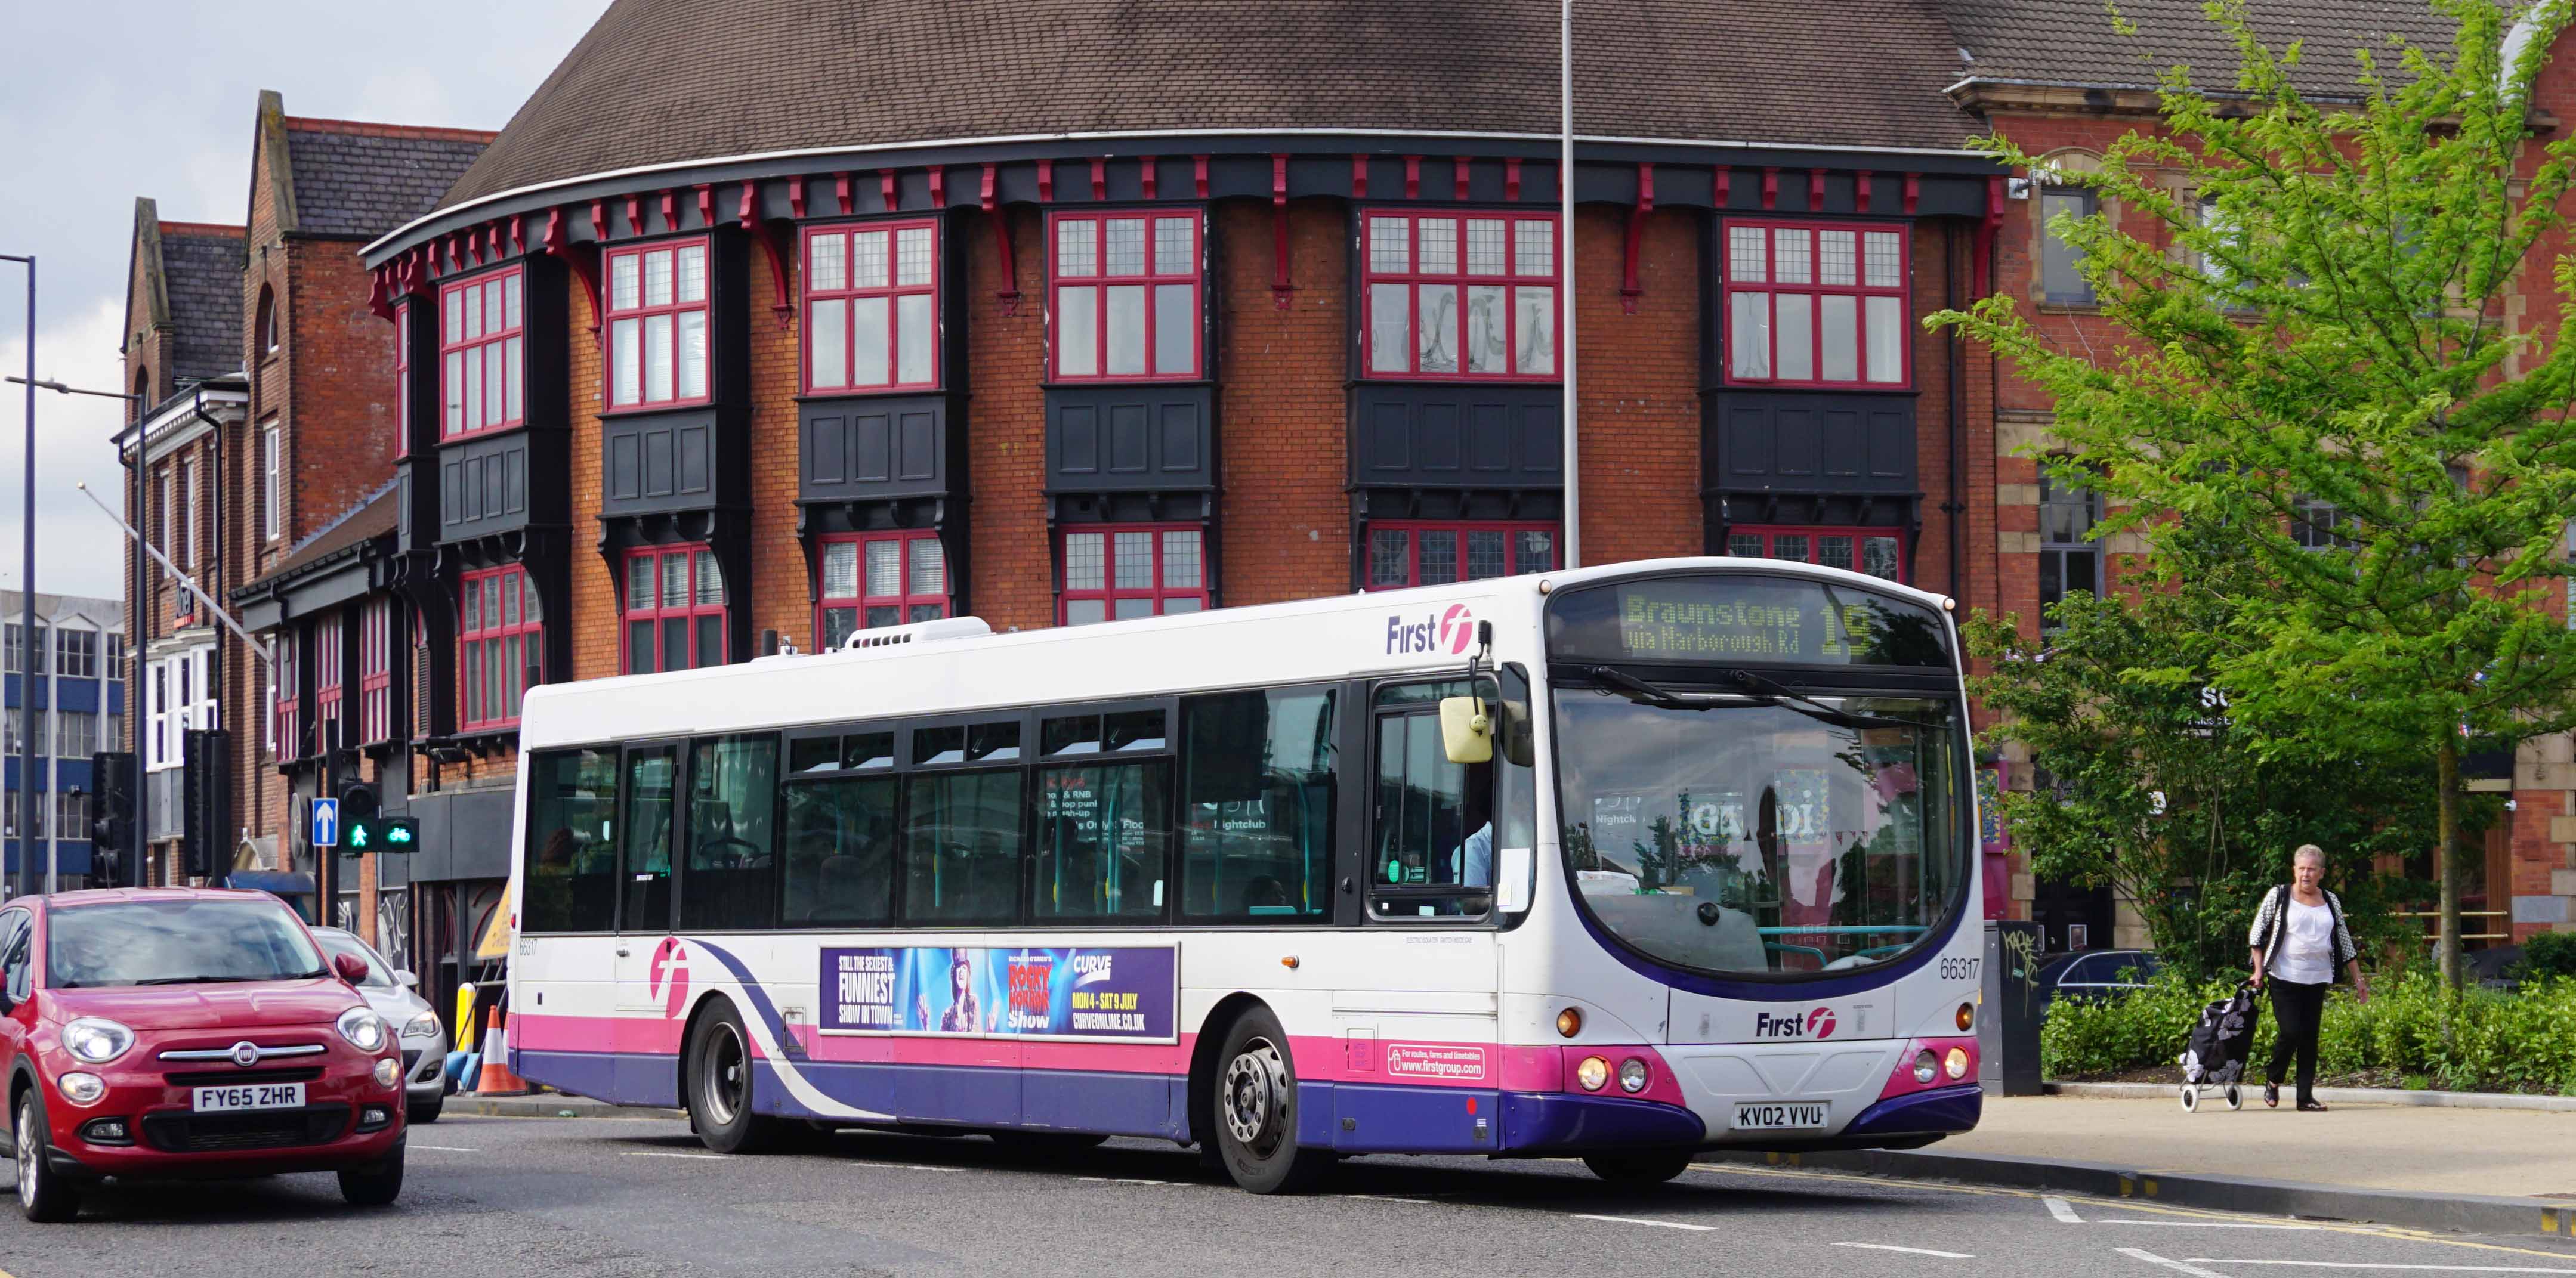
[(652, 964)]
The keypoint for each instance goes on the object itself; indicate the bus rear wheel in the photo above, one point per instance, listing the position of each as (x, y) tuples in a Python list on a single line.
[(1639, 1166), (1255, 1116), (719, 1096)]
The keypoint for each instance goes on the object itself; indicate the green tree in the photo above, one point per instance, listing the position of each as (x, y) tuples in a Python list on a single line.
[(2155, 793), (2324, 379)]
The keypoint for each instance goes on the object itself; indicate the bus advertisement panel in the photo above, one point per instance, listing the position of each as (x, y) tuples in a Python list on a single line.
[(1120, 994)]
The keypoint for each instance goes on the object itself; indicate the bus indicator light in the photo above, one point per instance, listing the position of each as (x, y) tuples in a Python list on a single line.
[(1569, 1023)]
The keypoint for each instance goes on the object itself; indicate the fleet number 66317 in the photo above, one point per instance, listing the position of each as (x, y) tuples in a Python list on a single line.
[(1959, 969)]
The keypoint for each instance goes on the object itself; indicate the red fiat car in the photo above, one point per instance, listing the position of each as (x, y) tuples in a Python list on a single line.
[(155, 1032)]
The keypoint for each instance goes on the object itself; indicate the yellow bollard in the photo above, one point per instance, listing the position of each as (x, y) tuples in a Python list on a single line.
[(465, 1016)]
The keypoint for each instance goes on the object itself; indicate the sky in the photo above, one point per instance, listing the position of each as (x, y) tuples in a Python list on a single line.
[(107, 101)]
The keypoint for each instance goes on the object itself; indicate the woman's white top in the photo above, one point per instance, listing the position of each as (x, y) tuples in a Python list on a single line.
[(2306, 955)]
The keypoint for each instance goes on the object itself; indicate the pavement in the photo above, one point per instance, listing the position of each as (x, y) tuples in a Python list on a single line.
[(546, 1198)]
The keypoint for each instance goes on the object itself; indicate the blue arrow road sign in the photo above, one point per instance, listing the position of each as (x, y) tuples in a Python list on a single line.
[(326, 823)]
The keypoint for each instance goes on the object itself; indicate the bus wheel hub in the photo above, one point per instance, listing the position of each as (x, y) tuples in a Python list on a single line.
[(1256, 1085)]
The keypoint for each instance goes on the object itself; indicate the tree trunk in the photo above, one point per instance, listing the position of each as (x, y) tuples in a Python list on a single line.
[(2447, 772)]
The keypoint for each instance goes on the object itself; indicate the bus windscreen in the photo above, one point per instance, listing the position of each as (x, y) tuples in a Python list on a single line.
[(1737, 618)]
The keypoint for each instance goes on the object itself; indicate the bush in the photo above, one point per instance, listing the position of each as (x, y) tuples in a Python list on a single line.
[(2474, 1040), (2549, 955)]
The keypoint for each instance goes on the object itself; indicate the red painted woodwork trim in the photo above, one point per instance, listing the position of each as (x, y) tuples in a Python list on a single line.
[(938, 186), (1099, 178), (887, 193), (1770, 189), (1629, 287), (1198, 175), (1145, 175), (1359, 177), (1512, 179), (784, 303), (378, 302), (1860, 191), (1046, 181), (1009, 294), (634, 215), (599, 220), (1913, 191), (706, 204), (1986, 228), (1280, 287), (846, 201), (1725, 179), (1413, 177), (670, 210), (1815, 190), (1460, 168), (584, 266)]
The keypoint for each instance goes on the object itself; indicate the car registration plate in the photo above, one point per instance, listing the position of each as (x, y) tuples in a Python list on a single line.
[(251, 1096), (1777, 1116)]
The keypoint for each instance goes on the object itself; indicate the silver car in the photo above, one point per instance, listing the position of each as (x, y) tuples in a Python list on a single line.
[(424, 1041)]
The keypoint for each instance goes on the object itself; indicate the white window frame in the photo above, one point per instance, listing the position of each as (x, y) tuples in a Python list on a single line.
[(272, 520)]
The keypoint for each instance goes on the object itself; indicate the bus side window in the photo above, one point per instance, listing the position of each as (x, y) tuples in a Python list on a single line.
[(730, 879), (1433, 844), (1257, 805), (1102, 831), (962, 848), (652, 796), (571, 879), (840, 843)]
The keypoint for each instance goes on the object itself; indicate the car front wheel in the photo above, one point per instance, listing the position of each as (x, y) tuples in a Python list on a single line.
[(43, 1194), (374, 1185)]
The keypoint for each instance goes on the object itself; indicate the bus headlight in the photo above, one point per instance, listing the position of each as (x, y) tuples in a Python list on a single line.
[(1569, 1023), (1956, 1063), (1925, 1068), (1633, 1075), (1967, 1017), (1592, 1073)]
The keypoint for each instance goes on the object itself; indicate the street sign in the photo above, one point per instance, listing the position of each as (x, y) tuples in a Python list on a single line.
[(326, 823)]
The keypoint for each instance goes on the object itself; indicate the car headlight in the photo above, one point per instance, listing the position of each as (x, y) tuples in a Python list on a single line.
[(363, 1028), (97, 1039), (81, 1089), (424, 1025), (1592, 1073)]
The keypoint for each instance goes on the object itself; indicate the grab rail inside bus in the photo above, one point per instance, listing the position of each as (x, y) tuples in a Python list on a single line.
[(1842, 929)]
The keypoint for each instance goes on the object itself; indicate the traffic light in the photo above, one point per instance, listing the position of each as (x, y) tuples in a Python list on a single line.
[(365, 828), (206, 801), (111, 819)]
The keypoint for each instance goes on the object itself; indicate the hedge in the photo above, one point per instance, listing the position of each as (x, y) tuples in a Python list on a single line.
[(2475, 1040)]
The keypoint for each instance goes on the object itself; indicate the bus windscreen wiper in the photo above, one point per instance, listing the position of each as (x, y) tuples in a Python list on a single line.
[(1757, 689)]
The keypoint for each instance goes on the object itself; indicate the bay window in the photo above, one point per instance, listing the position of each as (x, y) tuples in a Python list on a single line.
[(286, 720), (1875, 551), (329, 693), (500, 644), (376, 672), (1816, 305), (1125, 296), (1410, 553), (481, 351), (880, 579), (675, 609), (871, 307), (1454, 295), (1136, 571), (657, 325)]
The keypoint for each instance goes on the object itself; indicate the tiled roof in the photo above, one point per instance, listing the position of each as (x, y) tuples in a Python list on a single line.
[(2071, 42), (366, 179), (376, 517), (665, 81), (201, 271)]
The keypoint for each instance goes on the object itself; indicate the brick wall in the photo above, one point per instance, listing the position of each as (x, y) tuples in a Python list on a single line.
[(1638, 379), (1006, 425), (1283, 516)]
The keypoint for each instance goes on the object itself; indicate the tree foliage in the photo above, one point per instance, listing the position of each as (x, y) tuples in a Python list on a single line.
[(2326, 385), (2155, 793)]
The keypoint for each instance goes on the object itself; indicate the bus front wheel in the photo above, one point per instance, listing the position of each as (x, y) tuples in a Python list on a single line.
[(1639, 1166), (1256, 1110), (719, 1095)]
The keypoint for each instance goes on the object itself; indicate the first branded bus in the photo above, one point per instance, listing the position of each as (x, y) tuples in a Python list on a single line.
[(1621, 863)]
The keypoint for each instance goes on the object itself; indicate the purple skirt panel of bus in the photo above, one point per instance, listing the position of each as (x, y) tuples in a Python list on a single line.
[(1087, 1040)]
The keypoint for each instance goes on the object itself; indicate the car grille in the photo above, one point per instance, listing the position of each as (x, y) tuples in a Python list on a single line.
[(241, 1077), (255, 1129)]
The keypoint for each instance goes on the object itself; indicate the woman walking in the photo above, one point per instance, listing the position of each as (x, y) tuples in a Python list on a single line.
[(2300, 941)]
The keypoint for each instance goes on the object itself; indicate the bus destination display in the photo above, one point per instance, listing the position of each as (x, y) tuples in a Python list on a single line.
[(1759, 620)]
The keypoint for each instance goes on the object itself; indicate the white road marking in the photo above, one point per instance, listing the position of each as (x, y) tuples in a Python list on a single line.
[(1388, 1198), (1123, 1180), (1911, 1251), (2355, 1264), (2177, 1266), (449, 1149), (2199, 1224), (1640, 1220), (2063, 1210), (656, 1153)]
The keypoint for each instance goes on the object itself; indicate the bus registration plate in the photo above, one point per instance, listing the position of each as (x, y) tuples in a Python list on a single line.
[(1774, 1116)]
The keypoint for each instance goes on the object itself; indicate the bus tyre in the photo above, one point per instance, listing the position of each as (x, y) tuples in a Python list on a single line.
[(719, 1087), (1639, 1166), (375, 1184), (1256, 1110), (43, 1195)]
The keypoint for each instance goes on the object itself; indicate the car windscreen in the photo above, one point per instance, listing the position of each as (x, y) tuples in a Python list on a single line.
[(181, 942), (379, 975)]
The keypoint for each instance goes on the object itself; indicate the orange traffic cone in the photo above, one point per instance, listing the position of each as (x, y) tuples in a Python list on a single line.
[(497, 1079)]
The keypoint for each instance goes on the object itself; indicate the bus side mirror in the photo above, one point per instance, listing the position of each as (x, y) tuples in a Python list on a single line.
[(1466, 731), (1514, 730)]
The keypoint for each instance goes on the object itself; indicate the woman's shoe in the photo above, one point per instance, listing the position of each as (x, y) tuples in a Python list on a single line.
[(2271, 1095), (2312, 1107)]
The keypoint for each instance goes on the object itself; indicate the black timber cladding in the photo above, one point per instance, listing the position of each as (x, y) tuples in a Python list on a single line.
[(1131, 437), (662, 461), (480, 485)]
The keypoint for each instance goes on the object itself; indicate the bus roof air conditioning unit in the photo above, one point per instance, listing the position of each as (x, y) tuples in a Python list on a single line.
[(917, 632)]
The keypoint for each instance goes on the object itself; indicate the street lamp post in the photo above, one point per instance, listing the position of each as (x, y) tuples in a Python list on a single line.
[(1573, 537), (27, 597)]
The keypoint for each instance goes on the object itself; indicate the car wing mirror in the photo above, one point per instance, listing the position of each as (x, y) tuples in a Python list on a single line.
[(351, 968), (405, 977)]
